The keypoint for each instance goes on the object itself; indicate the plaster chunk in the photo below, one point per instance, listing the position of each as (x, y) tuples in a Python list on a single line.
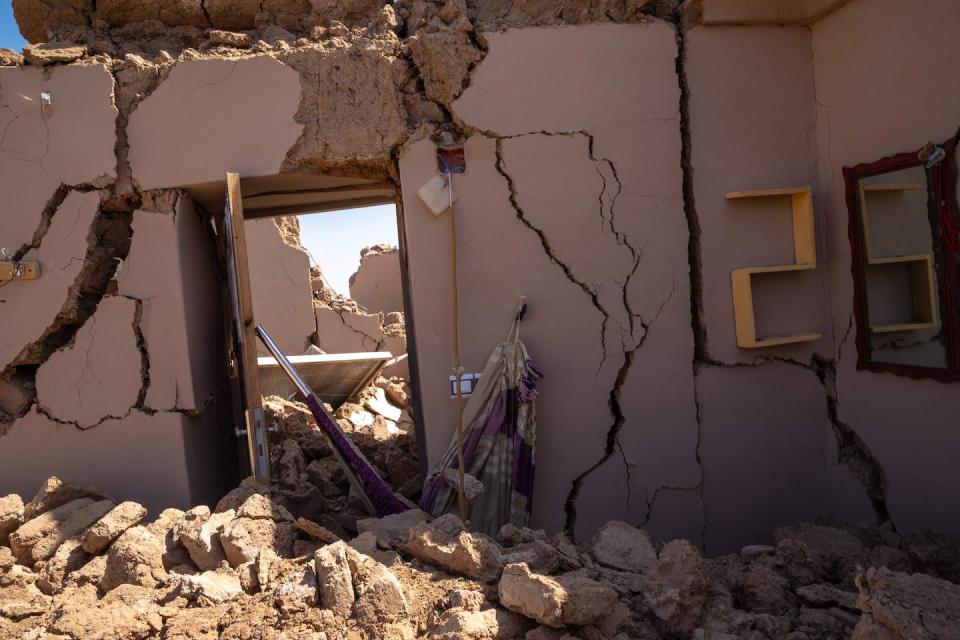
[(178, 113), (526, 69), (37, 302), (48, 53), (98, 376), (110, 526), (71, 145), (164, 254), (10, 58)]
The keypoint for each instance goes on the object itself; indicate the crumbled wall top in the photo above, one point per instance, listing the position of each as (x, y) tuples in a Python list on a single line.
[(116, 21)]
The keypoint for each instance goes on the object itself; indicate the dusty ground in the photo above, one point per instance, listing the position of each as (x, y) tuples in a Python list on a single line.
[(300, 560)]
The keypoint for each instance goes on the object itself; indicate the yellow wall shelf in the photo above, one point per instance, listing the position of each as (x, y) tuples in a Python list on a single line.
[(805, 258), (922, 296)]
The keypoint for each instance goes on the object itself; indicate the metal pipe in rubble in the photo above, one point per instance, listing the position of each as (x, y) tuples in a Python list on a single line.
[(281, 359)]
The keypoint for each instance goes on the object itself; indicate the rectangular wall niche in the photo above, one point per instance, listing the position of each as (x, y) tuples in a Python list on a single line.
[(805, 258), (916, 269)]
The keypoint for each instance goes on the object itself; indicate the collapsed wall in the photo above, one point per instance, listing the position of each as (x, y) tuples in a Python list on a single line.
[(376, 285), (601, 139)]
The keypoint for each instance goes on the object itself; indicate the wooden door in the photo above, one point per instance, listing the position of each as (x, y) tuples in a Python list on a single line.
[(242, 333)]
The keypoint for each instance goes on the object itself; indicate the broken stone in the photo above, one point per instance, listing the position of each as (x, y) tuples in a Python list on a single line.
[(379, 596), (49, 53), (814, 553), (294, 421), (898, 606), (109, 528), (166, 529), (335, 579), (466, 599), (365, 543), (207, 588), (377, 402), (678, 588), (395, 392), (316, 531), (468, 624), (244, 537), (621, 546), (291, 469), (39, 538), (753, 551), (445, 543), (554, 601), (240, 494), (90, 573), (392, 531), (69, 557), (763, 590), (539, 556), (11, 516), (229, 38), (328, 476), (825, 595), (10, 58), (136, 558), (199, 532), (53, 493)]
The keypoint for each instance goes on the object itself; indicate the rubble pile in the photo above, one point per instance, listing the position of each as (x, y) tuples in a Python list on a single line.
[(74, 565), (308, 481)]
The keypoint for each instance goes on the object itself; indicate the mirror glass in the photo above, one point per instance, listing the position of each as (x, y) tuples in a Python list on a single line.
[(900, 267)]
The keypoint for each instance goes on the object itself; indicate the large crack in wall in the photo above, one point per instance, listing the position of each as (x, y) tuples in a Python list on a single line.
[(852, 451), (422, 56)]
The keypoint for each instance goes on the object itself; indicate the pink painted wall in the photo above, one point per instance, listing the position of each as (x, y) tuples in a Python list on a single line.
[(887, 91), (573, 197), (597, 181)]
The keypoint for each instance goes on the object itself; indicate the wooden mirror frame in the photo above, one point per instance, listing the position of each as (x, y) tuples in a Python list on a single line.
[(943, 203)]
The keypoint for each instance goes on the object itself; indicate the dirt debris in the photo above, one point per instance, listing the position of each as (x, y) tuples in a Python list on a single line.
[(86, 568)]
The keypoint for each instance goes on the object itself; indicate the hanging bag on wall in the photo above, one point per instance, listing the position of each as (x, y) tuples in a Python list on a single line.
[(499, 443)]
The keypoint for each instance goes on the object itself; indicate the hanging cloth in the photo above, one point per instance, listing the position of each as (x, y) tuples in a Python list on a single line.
[(499, 443)]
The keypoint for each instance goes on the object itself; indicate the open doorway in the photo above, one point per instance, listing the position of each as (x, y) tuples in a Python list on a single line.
[(301, 281)]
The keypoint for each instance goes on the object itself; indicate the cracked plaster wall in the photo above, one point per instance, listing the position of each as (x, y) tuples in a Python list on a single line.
[(591, 165), (887, 92), (579, 207), (210, 100)]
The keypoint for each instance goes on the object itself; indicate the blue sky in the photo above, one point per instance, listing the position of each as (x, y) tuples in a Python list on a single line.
[(334, 239), (10, 37)]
